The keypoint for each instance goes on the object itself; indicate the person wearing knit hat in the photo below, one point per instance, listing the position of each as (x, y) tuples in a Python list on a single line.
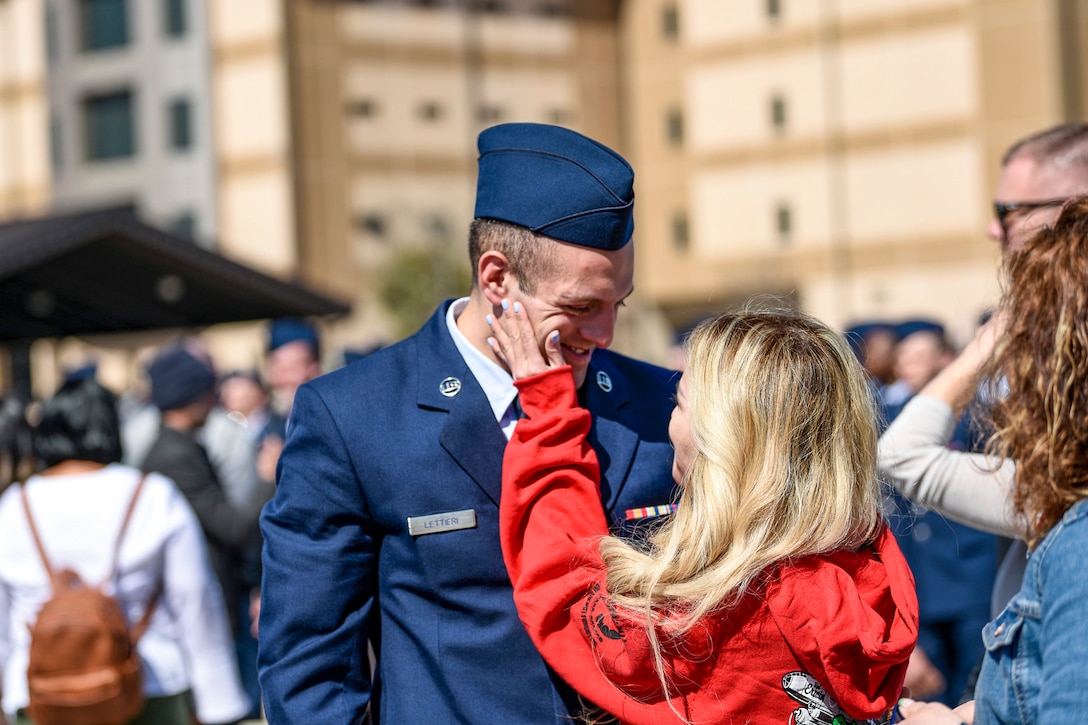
[(386, 509), (183, 387), (178, 379)]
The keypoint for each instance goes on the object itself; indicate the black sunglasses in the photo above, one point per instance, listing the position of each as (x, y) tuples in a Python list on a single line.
[(1002, 209)]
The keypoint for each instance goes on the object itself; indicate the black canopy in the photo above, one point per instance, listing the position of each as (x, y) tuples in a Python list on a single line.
[(105, 271)]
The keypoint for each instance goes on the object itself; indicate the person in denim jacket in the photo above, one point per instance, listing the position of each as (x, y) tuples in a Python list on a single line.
[(1036, 649)]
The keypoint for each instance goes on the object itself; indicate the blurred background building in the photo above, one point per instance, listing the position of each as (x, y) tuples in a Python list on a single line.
[(840, 153)]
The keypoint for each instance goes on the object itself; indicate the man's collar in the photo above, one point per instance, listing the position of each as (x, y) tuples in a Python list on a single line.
[(497, 383)]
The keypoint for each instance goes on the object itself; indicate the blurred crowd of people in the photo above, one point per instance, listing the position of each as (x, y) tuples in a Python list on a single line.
[(217, 437)]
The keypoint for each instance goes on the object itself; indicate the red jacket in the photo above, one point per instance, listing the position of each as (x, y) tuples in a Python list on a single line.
[(824, 636)]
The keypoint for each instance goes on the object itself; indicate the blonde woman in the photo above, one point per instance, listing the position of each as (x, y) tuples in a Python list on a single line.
[(774, 594)]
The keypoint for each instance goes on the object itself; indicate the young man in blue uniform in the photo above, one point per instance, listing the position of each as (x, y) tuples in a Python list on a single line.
[(384, 528)]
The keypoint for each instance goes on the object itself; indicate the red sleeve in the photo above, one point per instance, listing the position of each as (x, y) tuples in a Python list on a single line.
[(551, 522)]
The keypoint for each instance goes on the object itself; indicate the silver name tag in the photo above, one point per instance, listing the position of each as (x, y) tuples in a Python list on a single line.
[(437, 523)]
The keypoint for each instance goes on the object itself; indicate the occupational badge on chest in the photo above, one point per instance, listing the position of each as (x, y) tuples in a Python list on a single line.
[(440, 523)]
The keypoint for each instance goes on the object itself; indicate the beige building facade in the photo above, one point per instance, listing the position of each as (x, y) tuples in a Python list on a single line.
[(839, 153), (24, 141)]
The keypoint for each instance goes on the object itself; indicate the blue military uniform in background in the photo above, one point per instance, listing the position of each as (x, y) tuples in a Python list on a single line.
[(954, 568)]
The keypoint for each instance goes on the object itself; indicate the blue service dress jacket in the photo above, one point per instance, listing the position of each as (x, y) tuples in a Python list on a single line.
[(407, 433)]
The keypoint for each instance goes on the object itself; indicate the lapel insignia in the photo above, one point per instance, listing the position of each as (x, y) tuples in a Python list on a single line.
[(604, 382), (450, 387)]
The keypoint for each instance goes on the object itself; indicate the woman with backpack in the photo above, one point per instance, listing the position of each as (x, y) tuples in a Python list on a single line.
[(85, 525)]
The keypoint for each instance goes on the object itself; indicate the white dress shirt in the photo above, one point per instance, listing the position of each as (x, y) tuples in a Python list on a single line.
[(187, 645), (497, 383)]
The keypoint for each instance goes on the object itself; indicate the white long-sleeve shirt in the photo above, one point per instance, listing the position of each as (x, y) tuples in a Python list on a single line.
[(971, 488), (187, 645)]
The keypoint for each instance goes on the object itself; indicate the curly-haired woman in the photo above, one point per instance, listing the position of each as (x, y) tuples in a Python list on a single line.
[(1036, 648)]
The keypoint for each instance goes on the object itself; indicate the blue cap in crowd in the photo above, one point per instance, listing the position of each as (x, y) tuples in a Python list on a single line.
[(857, 334), (284, 330), (557, 183), (909, 327), (178, 378)]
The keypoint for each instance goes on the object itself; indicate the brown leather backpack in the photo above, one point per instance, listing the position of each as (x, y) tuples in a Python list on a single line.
[(83, 667)]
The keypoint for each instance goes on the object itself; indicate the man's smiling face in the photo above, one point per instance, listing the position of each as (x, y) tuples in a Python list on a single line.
[(579, 295)]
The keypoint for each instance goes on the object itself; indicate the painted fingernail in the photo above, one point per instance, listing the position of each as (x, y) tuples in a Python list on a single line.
[(490, 321), (554, 337), (490, 340), (517, 307), (505, 305)]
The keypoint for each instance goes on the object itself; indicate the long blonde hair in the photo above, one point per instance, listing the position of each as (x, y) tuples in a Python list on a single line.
[(785, 466)]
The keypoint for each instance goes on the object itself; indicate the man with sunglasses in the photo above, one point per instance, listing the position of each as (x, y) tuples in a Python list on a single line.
[(1039, 174)]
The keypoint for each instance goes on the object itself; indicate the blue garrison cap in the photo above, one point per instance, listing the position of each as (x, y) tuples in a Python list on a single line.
[(178, 378), (289, 329), (557, 183), (909, 327)]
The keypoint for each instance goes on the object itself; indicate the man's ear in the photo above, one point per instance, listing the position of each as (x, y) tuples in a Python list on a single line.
[(497, 280)]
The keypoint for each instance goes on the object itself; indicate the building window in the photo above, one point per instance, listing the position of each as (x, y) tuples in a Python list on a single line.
[(778, 113), (774, 9), (180, 121), (373, 223), (52, 46), (104, 24), (670, 22), (56, 145), (489, 114), (783, 222), (554, 10), (674, 127), (108, 125), (560, 116), (363, 108), (184, 225), (680, 234), (431, 111), (436, 227), (174, 18)]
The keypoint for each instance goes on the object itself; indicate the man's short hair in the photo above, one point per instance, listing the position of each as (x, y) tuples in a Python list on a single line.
[(530, 254), (1060, 147)]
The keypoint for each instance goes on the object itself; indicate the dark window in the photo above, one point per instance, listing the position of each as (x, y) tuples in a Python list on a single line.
[(674, 127), (104, 24), (437, 227), (680, 234), (52, 46), (110, 133), (181, 124), (431, 111), (184, 225), (670, 22), (778, 113), (363, 108), (554, 10), (175, 19), (559, 116), (489, 114), (774, 9), (372, 224), (56, 145), (783, 222)]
